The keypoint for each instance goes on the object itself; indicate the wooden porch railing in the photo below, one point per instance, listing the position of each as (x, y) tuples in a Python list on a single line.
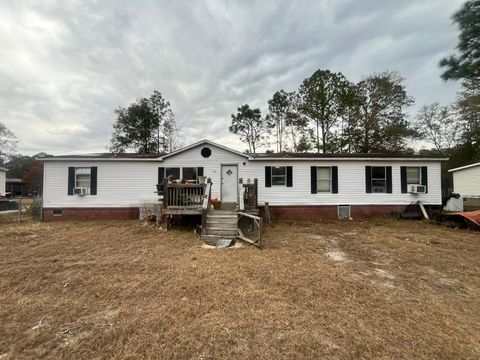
[(207, 198), (179, 195)]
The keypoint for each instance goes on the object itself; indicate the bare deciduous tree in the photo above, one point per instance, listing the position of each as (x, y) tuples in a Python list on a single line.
[(437, 124)]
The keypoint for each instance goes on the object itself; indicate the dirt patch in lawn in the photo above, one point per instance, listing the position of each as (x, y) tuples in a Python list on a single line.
[(377, 289)]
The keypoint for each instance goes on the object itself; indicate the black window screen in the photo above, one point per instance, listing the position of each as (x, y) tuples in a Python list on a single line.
[(173, 172), (379, 179), (279, 174), (189, 173)]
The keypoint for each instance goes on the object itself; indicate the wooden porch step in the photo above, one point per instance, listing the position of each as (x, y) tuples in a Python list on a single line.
[(222, 212), (222, 217), (223, 225), (225, 219), (222, 231)]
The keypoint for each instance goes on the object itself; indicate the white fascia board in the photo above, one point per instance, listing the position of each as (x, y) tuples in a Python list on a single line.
[(464, 167), (205, 142), (101, 159), (349, 159)]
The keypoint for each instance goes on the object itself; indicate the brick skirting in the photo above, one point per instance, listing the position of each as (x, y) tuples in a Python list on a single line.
[(316, 212), (293, 212), (90, 214)]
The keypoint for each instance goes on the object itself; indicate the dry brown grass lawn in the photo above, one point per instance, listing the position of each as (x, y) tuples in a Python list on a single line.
[(377, 289)]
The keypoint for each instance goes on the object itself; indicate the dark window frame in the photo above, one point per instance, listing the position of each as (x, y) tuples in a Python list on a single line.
[(284, 176), (384, 179), (419, 182), (76, 181), (330, 187), (168, 172), (195, 172)]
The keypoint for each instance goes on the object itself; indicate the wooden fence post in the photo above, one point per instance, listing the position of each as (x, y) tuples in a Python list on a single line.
[(266, 209), (19, 218)]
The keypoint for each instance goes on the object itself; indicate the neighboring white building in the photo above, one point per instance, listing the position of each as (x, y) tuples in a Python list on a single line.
[(3, 178), (466, 180), (294, 185)]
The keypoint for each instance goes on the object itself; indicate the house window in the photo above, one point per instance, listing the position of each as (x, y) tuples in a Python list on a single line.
[(82, 177), (414, 175), (173, 172), (279, 175), (379, 179), (324, 179), (189, 173)]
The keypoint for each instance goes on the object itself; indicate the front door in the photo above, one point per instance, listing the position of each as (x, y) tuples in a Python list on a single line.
[(229, 183)]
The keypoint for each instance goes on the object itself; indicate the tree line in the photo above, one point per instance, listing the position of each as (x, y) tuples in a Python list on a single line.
[(330, 114)]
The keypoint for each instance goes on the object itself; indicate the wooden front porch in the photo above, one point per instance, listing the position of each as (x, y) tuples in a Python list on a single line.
[(237, 220), (183, 198)]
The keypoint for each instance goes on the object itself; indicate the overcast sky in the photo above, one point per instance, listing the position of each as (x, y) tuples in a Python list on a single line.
[(66, 65)]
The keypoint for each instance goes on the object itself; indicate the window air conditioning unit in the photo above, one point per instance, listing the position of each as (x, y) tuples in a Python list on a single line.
[(80, 191), (417, 189)]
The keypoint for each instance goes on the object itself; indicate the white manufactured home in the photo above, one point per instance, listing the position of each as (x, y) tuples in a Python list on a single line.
[(3, 180), (296, 186), (466, 183), (466, 180)]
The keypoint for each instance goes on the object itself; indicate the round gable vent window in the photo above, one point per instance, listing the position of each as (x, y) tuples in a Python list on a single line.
[(206, 152)]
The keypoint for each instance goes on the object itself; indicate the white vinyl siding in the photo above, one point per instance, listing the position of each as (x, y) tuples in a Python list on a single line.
[(466, 182), (125, 183), (119, 184), (351, 179), (3, 179)]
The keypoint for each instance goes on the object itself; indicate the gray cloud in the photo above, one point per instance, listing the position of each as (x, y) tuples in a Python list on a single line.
[(67, 65)]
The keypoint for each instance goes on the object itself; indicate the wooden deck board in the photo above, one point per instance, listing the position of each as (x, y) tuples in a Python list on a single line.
[(186, 210)]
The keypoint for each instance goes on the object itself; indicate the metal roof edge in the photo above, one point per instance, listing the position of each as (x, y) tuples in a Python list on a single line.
[(464, 167), (349, 159), (97, 159)]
